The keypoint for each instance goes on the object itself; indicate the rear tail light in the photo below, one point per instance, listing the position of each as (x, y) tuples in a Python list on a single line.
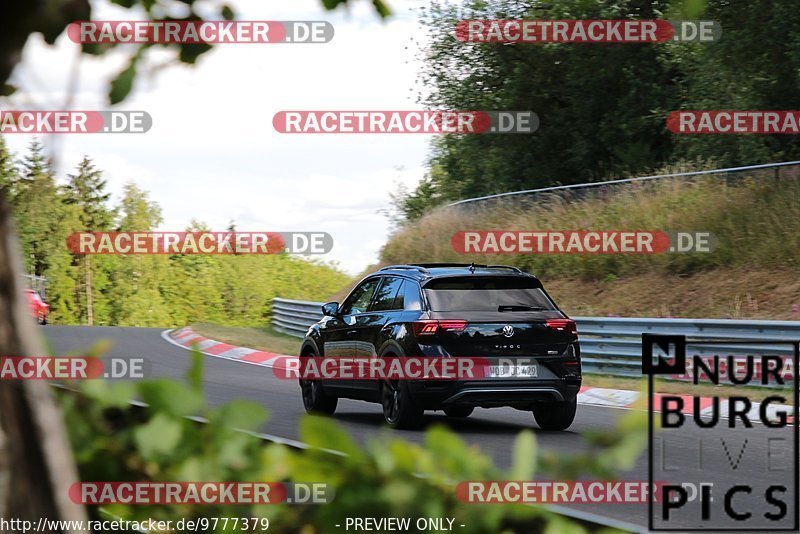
[(426, 328), (432, 327), (453, 326), (567, 326)]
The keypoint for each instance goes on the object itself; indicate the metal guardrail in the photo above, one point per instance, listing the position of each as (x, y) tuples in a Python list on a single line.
[(576, 189), (612, 345), (293, 317)]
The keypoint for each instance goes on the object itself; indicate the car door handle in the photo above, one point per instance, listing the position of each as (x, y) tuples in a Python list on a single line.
[(351, 333)]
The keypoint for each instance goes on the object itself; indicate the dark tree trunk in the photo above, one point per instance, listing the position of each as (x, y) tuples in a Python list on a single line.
[(36, 464)]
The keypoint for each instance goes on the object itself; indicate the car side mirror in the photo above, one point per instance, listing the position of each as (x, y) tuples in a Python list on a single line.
[(330, 309)]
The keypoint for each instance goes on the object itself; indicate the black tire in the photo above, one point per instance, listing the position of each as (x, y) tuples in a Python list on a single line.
[(400, 409), (555, 415), (44, 320), (459, 411), (315, 400)]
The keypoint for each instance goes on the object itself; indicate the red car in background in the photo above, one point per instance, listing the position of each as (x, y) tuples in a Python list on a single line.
[(39, 307)]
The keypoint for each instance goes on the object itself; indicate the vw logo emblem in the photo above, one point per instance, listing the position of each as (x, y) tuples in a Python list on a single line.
[(508, 330)]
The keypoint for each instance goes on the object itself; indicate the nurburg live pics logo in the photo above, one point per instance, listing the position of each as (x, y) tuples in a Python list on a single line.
[(724, 462)]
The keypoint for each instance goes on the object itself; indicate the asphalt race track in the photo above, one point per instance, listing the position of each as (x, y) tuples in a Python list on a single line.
[(493, 430)]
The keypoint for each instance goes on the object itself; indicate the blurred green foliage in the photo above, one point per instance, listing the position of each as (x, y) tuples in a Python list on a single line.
[(386, 477)]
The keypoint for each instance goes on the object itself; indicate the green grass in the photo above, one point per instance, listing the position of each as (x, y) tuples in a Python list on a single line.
[(755, 221), (266, 338)]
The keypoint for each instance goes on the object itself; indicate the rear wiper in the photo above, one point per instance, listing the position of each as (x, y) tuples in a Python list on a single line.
[(519, 308)]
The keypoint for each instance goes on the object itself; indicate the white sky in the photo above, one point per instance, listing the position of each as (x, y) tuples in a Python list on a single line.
[(212, 153)]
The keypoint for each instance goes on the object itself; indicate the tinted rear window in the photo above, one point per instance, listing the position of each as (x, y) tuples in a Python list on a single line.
[(485, 294)]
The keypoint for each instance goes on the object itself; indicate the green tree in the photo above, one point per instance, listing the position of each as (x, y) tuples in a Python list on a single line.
[(135, 288), (410, 206), (595, 102), (195, 284), (43, 222), (602, 108), (8, 171), (749, 68), (143, 290), (86, 190), (38, 205)]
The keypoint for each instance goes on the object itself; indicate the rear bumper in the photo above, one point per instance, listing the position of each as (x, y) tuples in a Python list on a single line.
[(522, 394)]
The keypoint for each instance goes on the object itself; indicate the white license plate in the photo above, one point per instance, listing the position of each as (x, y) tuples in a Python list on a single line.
[(513, 371)]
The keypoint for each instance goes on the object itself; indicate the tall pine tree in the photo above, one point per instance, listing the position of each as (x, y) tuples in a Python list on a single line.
[(8, 171), (87, 191), (38, 210), (137, 280)]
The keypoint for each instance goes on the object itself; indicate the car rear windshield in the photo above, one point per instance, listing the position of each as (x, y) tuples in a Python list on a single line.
[(486, 294)]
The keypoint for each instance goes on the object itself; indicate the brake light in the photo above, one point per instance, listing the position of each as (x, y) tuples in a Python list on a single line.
[(567, 326), (453, 326), (430, 327), (425, 328)]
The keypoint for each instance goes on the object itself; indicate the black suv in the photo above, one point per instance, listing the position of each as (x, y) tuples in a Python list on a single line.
[(443, 310)]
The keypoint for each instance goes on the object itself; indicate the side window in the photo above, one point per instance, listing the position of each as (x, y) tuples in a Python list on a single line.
[(385, 297), (359, 299), (411, 296), (400, 298)]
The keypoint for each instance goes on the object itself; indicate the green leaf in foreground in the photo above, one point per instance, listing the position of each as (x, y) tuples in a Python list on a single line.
[(325, 434), (382, 8), (524, 456), (174, 398), (559, 525), (121, 85), (195, 374), (240, 415), (158, 438)]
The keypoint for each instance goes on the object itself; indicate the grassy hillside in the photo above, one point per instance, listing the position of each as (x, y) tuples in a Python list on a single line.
[(751, 273)]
